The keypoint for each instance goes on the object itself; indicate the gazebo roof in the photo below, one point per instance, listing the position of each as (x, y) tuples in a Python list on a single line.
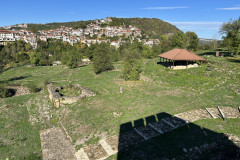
[(181, 55)]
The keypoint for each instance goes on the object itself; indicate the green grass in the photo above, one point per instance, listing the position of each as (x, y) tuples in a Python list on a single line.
[(215, 83), (18, 138)]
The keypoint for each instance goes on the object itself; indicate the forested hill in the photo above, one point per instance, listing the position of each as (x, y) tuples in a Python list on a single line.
[(151, 26), (54, 25)]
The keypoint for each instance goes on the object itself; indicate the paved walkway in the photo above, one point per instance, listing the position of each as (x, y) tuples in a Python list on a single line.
[(110, 146), (56, 145)]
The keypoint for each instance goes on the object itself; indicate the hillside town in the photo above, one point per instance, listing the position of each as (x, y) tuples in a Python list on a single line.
[(93, 33)]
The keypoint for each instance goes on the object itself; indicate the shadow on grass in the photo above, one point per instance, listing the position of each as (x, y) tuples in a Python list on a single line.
[(235, 60), (187, 142), (14, 79)]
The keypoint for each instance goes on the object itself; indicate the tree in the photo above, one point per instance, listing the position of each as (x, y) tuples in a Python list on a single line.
[(131, 64), (21, 57), (192, 40), (156, 49), (89, 51), (74, 57), (115, 55), (39, 58), (34, 30), (147, 52), (165, 43), (178, 40), (42, 45), (102, 59), (232, 36)]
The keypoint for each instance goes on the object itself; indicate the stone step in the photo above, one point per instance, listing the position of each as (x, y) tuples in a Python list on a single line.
[(113, 141), (156, 129), (128, 138), (161, 126), (146, 132), (95, 152), (81, 155), (167, 121), (175, 121), (107, 147), (214, 112)]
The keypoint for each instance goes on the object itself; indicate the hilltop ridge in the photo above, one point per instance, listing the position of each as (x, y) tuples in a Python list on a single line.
[(151, 26)]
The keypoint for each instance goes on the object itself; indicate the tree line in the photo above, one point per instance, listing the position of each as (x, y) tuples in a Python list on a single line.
[(102, 55)]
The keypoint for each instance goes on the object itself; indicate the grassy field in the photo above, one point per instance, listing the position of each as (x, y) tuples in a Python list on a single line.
[(215, 83)]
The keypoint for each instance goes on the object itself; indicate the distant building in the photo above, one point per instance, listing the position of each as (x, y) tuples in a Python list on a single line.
[(6, 36), (116, 44), (23, 25), (152, 42)]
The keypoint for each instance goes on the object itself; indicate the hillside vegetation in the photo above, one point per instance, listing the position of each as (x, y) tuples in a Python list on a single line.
[(151, 26)]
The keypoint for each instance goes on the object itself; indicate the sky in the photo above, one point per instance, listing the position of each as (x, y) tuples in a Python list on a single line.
[(203, 17)]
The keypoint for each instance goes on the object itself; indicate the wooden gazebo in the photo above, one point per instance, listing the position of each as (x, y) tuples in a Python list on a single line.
[(180, 55)]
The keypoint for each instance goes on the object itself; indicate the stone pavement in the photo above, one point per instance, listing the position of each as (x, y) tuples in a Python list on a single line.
[(56, 146), (111, 145)]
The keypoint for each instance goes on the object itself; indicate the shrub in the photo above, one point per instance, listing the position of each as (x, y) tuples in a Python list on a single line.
[(131, 65), (33, 88), (46, 82)]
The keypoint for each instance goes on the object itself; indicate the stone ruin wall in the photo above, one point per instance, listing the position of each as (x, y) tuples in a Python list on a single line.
[(57, 99)]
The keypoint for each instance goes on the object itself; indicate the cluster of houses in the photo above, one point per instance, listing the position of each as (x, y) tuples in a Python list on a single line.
[(24, 25), (93, 33)]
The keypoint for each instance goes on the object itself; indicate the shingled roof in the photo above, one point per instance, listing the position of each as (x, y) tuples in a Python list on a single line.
[(181, 55)]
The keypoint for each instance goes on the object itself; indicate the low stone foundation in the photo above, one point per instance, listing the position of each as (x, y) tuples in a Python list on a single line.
[(57, 99), (18, 90), (54, 96)]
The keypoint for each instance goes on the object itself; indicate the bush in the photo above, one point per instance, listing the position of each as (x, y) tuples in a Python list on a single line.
[(46, 82), (132, 65), (33, 88)]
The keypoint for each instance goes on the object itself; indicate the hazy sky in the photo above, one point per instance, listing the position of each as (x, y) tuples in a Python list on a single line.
[(201, 16)]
